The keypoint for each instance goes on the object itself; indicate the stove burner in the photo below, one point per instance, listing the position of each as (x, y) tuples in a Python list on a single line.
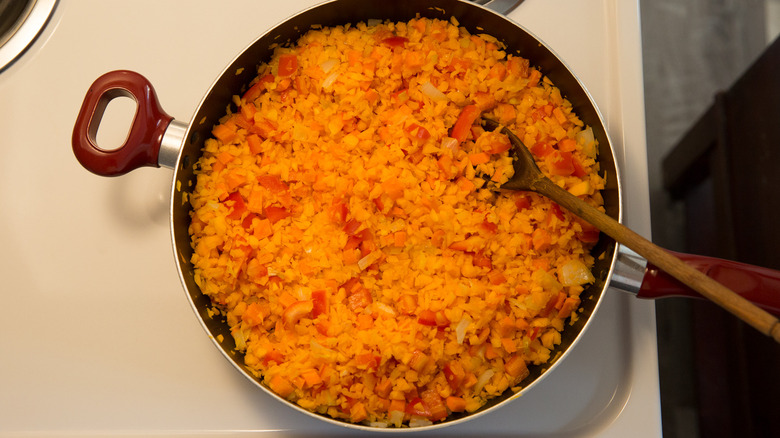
[(20, 23)]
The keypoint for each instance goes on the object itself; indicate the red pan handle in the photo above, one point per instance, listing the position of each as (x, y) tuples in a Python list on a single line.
[(756, 284), (142, 146)]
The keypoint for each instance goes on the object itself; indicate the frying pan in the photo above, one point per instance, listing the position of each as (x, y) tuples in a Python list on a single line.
[(156, 139)]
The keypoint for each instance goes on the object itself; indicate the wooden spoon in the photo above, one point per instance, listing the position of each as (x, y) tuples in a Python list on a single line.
[(528, 177)]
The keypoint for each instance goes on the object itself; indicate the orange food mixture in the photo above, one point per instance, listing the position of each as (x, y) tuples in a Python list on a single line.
[(341, 223)]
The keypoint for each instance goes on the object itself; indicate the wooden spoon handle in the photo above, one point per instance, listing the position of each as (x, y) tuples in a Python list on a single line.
[(698, 281)]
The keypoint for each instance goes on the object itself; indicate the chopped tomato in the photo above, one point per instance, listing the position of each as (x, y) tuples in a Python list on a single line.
[(272, 183), (359, 299), (541, 148), (433, 319), (454, 373), (579, 171), (481, 260), (522, 202), (238, 205), (462, 126), (288, 64), (555, 209), (395, 41), (247, 222), (339, 212), (319, 301), (418, 131), (434, 403), (351, 227), (427, 317), (490, 227), (561, 163), (417, 407), (498, 147), (275, 214)]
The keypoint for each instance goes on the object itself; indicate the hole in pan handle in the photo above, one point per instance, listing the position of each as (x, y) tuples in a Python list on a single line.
[(142, 146)]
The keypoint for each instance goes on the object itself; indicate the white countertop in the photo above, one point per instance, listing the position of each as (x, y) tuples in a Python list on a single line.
[(97, 336)]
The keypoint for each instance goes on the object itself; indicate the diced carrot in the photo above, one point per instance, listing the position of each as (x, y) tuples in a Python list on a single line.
[(479, 158), (256, 270), (234, 179), (272, 183), (456, 404), (516, 367), (224, 133), (383, 387), (281, 386), (567, 307), (470, 380), (407, 304), (419, 360), (506, 326), (567, 145), (465, 184), (399, 238), (397, 405), (358, 413), (225, 157), (541, 239), (509, 345), (490, 352), (311, 377), (253, 314), (255, 144), (393, 188), (445, 165), (365, 322), (496, 277)]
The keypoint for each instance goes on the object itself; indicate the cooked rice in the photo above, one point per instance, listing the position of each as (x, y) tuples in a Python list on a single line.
[(363, 263)]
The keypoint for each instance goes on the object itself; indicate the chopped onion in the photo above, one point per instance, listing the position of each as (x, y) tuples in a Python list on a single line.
[(449, 143), (585, 136), (482, 380), (383, 309), (416, 421), (574, 272), (380, 424), (460, 330), (431, 91), (240, 339), (330, 79), (396, 418), (369, 260), (328, 65)]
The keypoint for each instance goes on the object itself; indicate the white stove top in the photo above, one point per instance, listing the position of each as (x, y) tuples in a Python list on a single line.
[(96, 335)]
